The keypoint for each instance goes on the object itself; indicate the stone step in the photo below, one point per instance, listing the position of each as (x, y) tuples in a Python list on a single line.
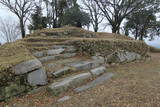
[(76, 80), (63, 71), (85, 65), (95, 82), (68, 82), (98, 71), (56, 57), (54, 52)]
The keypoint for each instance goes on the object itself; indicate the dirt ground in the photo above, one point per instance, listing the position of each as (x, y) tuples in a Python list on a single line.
[(135, 84)]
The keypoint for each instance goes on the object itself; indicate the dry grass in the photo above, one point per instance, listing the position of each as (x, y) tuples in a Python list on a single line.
[(112, 36), (66, 31), (12, 54)]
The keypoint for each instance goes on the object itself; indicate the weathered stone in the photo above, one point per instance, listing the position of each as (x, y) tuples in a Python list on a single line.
[(98, 71), (65, 98), (27, 66), (11, 90), (70, 50), (47, 58), (68, 82), (122, 57), (37, 77), (84, 65), (62, 71), (95, 82), (68, 55), (57, 57), (99, 59), (51, 65), (62, 46), (55, 51), (39, 54)]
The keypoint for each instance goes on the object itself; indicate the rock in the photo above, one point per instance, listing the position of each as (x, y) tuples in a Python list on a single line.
[(122, 57), (65, 98), (98, 71), (27, 66), (70, 50), (57, 57), (62, 71), (99, 59), (51, 65), (63, 46), (84, 65), (68, 82), (39, 54), (37, 77), (47, 58), (55, 51), (68, 55), (95, 82)]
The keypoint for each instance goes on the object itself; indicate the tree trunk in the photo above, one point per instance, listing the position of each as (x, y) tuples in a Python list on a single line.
[(23, 33), (141, 38), (96, 28), (114, 30)]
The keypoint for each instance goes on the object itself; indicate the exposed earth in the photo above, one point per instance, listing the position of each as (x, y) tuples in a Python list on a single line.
[(134, 85)]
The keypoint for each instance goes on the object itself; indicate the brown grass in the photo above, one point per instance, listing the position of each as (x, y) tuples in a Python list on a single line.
[(12, 54)]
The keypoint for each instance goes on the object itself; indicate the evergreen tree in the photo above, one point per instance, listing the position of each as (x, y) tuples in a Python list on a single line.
[(38, 21), (75, 17), (141, 23)]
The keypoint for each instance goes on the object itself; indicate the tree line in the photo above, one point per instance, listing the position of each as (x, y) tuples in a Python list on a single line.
[(136, 17)]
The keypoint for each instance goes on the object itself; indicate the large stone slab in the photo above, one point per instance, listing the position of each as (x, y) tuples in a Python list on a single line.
[(55, 51), (84, 65), (63, 71), (98, 71), (27, 66), (47, 58), (39, 54), (37, 77), (62, 46), (98, 59), (95, 82), (68, 82), (122, 56)]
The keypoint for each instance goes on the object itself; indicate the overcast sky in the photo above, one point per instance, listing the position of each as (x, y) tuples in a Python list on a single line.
[(5, 14)]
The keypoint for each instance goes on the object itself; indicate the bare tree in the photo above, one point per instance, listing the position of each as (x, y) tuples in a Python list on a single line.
[(95, 13), (21, 8), (115, 11), (9, 30)]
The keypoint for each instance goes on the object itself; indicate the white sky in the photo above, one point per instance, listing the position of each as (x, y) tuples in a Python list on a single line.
[(5, 14)]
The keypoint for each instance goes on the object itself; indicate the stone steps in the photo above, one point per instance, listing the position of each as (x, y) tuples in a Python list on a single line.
[(73, 81), (56, 57)]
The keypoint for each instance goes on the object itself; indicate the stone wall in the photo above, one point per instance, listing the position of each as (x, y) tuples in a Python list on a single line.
[(104, 47)]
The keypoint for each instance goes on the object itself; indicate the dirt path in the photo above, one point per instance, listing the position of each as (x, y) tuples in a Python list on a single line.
[(134, 85)]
